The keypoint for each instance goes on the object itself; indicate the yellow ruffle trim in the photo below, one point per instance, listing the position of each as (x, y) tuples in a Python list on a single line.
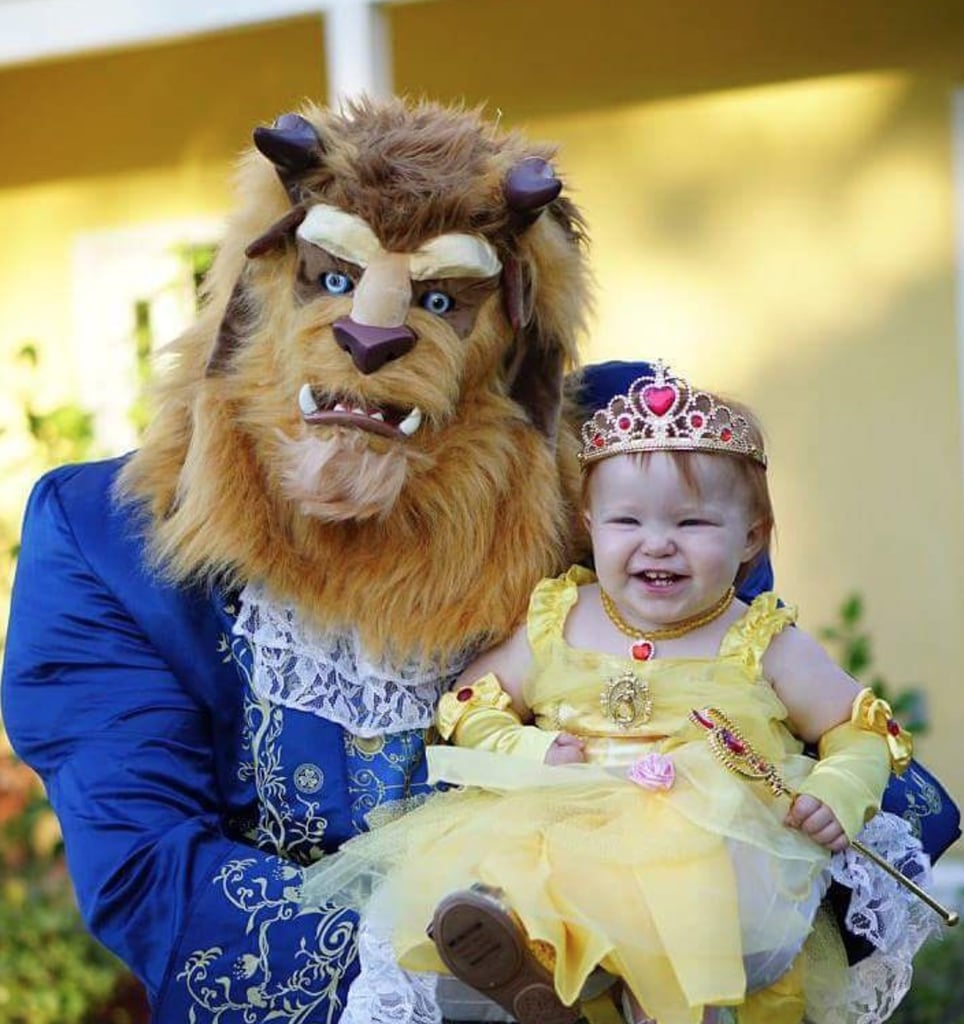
[(456, 704), (549, 605), (750, 636), (874, 714)]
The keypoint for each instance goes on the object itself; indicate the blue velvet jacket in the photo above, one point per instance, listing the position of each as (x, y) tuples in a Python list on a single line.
[(188, 802)]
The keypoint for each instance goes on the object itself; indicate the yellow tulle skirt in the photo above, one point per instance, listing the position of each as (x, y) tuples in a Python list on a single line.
[(680, 892)]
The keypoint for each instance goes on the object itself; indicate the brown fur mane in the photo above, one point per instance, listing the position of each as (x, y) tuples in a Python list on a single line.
[(412, 174), (481, 511)]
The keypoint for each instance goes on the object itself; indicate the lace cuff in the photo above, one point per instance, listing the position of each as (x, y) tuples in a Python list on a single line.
[(882, 911), (383, 993)]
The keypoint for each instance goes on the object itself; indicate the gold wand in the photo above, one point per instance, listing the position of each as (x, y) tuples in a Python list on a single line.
[(736, 754)]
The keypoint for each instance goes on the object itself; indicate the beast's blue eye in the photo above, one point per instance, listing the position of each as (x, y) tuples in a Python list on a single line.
[(437, 302), (336, 284)]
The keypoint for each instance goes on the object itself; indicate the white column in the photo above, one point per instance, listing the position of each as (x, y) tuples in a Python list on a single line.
[(357, 50)]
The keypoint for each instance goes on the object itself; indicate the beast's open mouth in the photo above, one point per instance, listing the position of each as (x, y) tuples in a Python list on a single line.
[(387, 420)]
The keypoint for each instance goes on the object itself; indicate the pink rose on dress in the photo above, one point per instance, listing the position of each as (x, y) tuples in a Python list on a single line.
[(652, 771)]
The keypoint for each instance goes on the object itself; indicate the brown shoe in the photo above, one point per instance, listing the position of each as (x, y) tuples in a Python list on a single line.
[(482, 944)]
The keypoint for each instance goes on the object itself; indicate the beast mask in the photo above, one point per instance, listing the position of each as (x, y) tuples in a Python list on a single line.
[(365, 418)]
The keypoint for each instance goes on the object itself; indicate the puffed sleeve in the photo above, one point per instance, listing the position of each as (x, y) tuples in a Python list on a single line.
[(125, 749)]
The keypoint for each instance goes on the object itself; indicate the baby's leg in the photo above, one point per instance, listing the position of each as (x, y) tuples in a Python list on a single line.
[(633, 1012), (482, 944)]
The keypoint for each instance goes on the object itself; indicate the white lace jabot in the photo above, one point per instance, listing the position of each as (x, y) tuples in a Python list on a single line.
[(329, 675)]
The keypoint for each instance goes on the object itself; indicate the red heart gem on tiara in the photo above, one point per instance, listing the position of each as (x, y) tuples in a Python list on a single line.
[(659, 400)]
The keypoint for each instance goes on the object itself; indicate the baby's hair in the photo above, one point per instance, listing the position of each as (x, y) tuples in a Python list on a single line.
[(751, 475)]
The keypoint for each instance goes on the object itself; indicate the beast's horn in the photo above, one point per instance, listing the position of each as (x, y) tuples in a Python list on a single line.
[(531, 185), (293, 146)]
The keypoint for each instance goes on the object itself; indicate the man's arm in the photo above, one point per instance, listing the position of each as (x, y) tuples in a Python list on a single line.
[(211, 926)]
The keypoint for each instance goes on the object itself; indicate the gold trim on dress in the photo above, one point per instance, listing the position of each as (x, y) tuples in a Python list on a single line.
[(626, 700)]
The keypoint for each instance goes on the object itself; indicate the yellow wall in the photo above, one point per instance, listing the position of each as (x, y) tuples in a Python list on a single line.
[(793, 246), (770, 204)]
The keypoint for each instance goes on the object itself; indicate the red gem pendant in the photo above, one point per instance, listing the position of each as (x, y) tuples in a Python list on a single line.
[(643, 650)]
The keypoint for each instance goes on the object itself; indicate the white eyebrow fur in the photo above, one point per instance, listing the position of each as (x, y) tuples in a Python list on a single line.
[(347, 237), (455, 255)]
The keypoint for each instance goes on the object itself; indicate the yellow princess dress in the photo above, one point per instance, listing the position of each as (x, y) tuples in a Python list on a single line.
[(672, 872)]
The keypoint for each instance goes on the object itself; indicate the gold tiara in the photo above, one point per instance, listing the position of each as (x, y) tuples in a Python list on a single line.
[(661, 412)]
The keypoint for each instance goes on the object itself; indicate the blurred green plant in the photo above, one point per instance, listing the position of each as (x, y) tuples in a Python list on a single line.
[(198, 257), (51, 970), (852, 645)]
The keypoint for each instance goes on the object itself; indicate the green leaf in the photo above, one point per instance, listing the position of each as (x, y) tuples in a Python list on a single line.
[(28, 353), (857, 655), (852, 609)]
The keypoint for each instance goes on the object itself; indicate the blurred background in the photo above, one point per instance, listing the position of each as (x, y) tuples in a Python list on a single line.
[(775, 194)]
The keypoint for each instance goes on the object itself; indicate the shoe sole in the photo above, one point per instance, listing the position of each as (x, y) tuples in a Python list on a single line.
[(480, 943)]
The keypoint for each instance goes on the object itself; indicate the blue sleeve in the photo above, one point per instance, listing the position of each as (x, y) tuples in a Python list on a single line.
[(211, 926)]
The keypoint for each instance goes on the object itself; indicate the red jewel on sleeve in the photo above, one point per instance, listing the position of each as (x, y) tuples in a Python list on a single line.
[(464, 694)]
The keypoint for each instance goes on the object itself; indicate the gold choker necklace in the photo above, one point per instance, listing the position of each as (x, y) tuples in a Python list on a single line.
[(643, 647)]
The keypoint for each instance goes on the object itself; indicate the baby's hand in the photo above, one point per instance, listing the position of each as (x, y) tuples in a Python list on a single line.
[(566, 749), (814, 818)]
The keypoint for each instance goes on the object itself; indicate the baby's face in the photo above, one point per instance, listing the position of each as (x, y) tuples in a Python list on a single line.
[(668, 544)]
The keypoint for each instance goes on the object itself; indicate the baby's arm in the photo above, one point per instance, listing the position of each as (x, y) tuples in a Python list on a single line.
[(826, 706), (486, 710)]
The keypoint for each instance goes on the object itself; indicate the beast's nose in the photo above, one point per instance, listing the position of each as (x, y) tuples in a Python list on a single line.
[(371, 347)]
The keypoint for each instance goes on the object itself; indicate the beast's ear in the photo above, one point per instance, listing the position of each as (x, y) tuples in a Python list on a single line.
[(516, 293), (294, 146), (276, 236), (534, 368), (536, 364), (535, 377), (232, 330)]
